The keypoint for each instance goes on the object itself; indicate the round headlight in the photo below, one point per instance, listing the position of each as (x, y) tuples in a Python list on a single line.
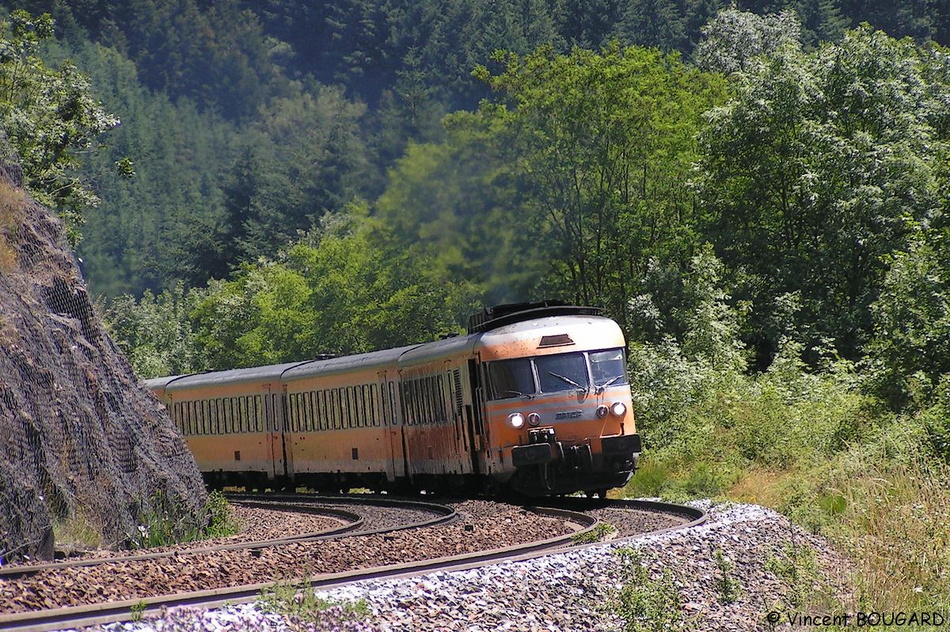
[(601, 411), (534, 419), (618, 409), (516, 420)]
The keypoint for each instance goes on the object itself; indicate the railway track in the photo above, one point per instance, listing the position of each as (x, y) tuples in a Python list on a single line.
[(578, 521)]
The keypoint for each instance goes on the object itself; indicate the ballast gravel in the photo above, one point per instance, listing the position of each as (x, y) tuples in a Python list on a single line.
[(726, 574)]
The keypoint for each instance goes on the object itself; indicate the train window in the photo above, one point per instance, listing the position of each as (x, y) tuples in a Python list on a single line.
[(255, 415), (305, 415), (344, 409), (352, 397), (607, 368), (440, 383), (431, 402), (511, 378), (373, 407), (224, 405), (234, 409), (405, 401), (291, 415), (391, 401), (320, 401), (350, 407), (418, 405), (334, 408), (308, 411), (562, 372), (206, 417), (218, 415)]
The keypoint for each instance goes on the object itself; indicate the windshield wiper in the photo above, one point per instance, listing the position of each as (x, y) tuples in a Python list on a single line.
[(518, 394), (569, 381), (600, 389)]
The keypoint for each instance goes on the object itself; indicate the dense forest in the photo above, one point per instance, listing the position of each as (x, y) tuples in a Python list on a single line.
[(757, 191)]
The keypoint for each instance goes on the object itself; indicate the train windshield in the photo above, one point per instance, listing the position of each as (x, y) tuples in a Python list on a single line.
[(579, 371)]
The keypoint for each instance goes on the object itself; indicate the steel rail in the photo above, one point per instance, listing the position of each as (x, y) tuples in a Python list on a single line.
[(353, 521), (80, 616)]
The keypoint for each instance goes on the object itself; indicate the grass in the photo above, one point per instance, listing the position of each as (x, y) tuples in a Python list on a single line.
[(12, 201), (647, 603), (304, 609), (812, 446), (600, 532), (76, 533)]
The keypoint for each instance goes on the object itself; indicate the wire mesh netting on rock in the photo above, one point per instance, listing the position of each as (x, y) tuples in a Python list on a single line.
[(81, 442)]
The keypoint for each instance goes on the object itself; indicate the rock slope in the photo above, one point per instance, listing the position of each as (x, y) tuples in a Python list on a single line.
[(82, 445)]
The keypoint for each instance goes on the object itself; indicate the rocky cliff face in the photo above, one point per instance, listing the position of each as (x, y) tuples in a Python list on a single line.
[(81, 442)]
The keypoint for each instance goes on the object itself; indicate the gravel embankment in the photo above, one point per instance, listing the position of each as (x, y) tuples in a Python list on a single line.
[(574, 590)]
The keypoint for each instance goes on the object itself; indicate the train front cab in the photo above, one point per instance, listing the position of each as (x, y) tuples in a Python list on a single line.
[(558, 406)]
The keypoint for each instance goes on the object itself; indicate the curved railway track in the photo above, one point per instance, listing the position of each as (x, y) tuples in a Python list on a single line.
[(578, 520)]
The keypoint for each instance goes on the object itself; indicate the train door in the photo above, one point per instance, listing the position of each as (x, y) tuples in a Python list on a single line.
[(474, 419), (277, 437), (461, 446), (396, 463)]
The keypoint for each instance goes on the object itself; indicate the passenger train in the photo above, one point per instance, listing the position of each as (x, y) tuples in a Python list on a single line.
[(534, 400)]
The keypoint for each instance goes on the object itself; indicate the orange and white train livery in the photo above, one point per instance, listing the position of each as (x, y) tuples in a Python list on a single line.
[(534, 399)]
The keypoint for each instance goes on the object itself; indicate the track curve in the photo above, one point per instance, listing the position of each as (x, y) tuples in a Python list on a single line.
[(581, 524)]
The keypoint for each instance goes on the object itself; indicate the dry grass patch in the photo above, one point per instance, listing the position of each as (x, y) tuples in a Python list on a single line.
[(12, 202), (895, 527)]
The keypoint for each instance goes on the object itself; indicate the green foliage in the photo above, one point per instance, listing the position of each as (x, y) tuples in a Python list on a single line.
[(728, 588), (599, 533), (339, 290), (734, 38), (818, 168), (138, 610), (156, 333), (910, 350), (645, 603), (164, 522), (797, 567), (604, 143), (936, 421), (305, 608), (221, 522), (49, 117)]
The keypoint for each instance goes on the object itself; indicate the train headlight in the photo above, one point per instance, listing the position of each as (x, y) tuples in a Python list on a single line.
[(534, 419), (516, 420), (601, 411), (618, 409)]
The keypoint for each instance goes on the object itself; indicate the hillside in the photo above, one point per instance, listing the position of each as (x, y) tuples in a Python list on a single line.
[(84, 447)]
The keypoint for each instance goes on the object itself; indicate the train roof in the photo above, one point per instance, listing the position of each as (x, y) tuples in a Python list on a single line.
[(362, 361), (440, 348), (231, 376), (157, 383)]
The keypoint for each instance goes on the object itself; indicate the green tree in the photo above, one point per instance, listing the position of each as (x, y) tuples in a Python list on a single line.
[(604, 145), (814, 172), (910, 350), (734, 38), (340, 290), (157, 333), (50, 118)]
